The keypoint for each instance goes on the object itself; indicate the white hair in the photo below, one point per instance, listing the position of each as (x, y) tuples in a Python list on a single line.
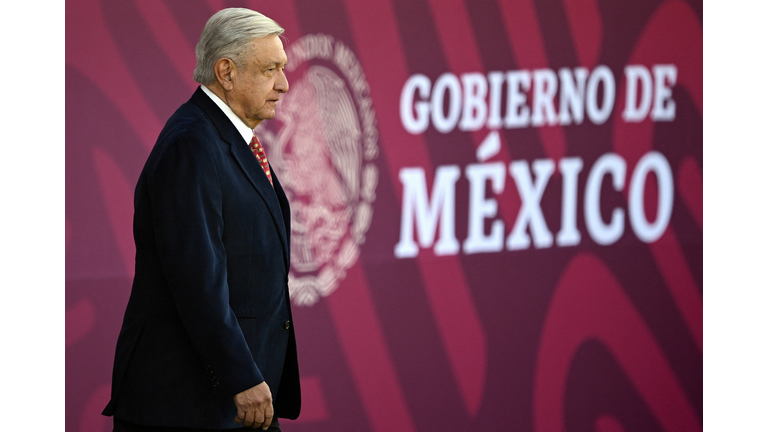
[(226, 35)]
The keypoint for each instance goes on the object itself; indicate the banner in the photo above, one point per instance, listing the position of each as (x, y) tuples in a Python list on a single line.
[(497, 205)]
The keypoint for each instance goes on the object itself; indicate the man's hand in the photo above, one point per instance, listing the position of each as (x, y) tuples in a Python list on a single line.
[(254, 407)]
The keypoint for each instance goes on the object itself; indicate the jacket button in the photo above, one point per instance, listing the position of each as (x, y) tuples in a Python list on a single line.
[(287, 325)]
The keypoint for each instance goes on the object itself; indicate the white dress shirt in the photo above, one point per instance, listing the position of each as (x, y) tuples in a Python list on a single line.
[(243, 128)]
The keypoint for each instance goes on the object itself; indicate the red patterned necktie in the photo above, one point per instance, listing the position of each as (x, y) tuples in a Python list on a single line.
[(258, 151)]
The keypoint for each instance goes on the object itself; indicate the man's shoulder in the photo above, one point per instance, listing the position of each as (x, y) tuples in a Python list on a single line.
[(192, 123), (189, 118), (188, 134)]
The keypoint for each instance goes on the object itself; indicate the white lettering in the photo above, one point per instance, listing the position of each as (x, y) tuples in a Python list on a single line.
[(637, 77), (570, 168), (489, 148), (496, 79), (418, 123), (544, 89), (665, 76), (518, 114), (474, 100), (447, 82), (601, 74), (426, 214), (423, 215), (475, 110), (572, 95), (482, 208), (646, 231), (530, 210), (602, 233)]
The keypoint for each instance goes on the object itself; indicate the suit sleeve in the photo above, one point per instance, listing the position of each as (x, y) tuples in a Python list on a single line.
[(186, 199)]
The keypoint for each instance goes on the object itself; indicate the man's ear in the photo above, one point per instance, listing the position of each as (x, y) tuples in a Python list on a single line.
[(224, 69)]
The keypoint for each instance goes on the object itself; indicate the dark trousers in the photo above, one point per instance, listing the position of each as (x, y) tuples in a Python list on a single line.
[(122, 426)]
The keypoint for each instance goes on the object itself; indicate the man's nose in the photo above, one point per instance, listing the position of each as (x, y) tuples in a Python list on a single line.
[(281, 84)]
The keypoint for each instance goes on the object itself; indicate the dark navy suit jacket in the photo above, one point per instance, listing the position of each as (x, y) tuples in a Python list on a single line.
[(209, 314)]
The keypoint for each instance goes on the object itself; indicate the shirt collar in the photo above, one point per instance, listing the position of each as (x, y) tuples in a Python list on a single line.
[(241, 127)]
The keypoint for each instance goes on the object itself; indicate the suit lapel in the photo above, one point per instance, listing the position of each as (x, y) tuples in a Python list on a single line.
[(248, 163), (244, 156), (285, 209)]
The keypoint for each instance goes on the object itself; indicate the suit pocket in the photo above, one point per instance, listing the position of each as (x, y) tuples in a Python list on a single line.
[(268, 347)]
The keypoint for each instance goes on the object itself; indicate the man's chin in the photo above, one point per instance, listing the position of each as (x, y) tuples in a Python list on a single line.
[(267, 114)]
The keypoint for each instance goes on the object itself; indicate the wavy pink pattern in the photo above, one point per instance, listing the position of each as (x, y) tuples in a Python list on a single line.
[(459, 325), (169, 38), (67, 231), (284, 12), (590, 304), (217, 5), (107, 70), (117, 194), (91, 419), (673, 35), (690, 185), (313, 406), (608, 423), (79, 320), (586, 30), (460, 48), (448, 292), (524, 34), (362, 338)]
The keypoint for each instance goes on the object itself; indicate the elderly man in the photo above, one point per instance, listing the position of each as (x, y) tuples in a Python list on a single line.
[(207, 341)]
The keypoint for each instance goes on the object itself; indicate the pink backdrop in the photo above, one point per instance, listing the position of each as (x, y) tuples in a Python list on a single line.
[(503, 223)]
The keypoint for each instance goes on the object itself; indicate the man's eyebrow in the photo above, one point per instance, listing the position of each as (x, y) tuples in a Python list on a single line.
[(271, 63)]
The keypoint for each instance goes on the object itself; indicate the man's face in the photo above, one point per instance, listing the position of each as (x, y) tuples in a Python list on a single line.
[(259, 80)]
